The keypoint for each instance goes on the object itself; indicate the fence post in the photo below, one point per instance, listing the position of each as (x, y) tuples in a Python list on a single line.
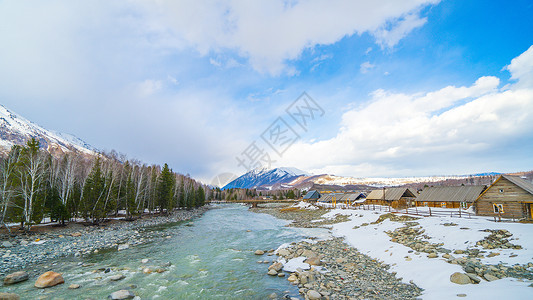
[(429, 210)]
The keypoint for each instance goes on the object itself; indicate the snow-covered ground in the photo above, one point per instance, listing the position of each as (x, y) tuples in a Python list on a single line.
[(433, 274)]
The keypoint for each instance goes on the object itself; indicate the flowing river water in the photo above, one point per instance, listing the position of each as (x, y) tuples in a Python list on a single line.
[(212, 257)]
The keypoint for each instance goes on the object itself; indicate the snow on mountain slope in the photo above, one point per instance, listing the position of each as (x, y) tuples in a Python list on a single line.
[(265, 178), (16, 130)]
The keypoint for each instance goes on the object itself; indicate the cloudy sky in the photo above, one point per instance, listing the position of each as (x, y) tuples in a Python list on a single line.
[(400, 88)]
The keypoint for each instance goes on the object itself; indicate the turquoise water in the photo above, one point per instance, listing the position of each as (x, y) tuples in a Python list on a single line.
[(212, 258)]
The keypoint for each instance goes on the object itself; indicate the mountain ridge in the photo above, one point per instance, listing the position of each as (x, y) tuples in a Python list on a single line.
[(17, 130)]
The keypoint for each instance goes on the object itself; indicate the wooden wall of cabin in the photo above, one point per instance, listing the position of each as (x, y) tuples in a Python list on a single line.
[(510, 209), (509, 195)]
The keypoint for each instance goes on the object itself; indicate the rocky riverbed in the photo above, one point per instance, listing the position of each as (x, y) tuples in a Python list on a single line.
[(337, 271), (24, 250)]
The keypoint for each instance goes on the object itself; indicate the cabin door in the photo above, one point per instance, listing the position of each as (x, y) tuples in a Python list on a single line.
[(531, 210)]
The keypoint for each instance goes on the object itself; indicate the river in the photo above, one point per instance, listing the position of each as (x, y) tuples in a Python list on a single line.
[(212, 258)]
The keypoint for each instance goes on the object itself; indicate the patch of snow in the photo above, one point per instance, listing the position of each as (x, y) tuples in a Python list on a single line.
[(433, 275), (296, 263)]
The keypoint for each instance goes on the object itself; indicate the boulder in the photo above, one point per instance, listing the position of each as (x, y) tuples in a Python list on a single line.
[(259, 252), (122, 294), (313, 295), (15, 277), (123, 247), (117, 277), (308, 253), (284, 252), (474, 278), (272, 273), (460, 278), (9, 296), (277, 266), (490, 277), (49, 279), (313, 261)]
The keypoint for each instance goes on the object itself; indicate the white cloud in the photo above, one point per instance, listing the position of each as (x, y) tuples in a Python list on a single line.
[(366, 66), (521, 68), (270, 32), (149, 87), (448, 130), (388, 38)]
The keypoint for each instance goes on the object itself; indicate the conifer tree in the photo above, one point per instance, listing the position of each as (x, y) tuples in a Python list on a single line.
[(165, 186)]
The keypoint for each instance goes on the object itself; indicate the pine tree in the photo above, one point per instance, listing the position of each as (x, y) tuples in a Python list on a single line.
[(165, 186), (200, 196), (93, 192)]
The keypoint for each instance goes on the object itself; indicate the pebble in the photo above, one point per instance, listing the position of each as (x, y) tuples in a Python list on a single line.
[(74, 286), (259, 252)]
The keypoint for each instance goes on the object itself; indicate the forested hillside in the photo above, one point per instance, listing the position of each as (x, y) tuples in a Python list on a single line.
[(35, 184)]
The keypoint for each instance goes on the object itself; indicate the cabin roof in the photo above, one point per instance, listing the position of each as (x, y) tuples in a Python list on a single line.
[(468, 193), (312, 195), (391, 194)]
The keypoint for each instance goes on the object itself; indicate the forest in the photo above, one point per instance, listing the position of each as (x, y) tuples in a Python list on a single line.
[(35, 185)]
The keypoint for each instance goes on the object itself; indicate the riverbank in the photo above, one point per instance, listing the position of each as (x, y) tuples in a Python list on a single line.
[(48, 244), (439, 257), (332, 269)]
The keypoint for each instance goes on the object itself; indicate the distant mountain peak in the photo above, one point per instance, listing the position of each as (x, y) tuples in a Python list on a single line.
[(266, 178), (16, 130)]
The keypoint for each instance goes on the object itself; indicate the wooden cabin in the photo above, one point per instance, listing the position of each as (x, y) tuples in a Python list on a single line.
[(449, 196), (397, 198), (312, 196), (508, 197)]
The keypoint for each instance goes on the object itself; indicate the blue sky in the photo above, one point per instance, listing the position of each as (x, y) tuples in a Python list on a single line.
[(408, 88)]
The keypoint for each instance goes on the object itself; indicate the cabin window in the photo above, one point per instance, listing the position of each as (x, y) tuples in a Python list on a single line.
[(501, 190), (463, 205), (498, 208), (443, 204), (425, 204)]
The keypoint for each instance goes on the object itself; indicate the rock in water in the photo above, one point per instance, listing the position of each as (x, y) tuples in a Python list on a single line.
[(15, 277), (74, 286), (76, 234), (9, 296), (459, 278), (117, 277), (259, 252), (313, 295), (49, 279), (122, 294), (6, 244), (123, 247), (272, 273), (277, 266), (144, 261)]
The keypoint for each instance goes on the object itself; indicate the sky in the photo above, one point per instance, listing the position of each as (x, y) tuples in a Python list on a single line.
[(379, 88)]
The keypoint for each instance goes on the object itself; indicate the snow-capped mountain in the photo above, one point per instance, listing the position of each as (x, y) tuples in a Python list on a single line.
[(266, 178), (283, 178), (17, 130)]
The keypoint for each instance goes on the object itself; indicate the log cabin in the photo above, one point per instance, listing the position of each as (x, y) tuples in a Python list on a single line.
[(508, 197), (449, 196), (397, 198)]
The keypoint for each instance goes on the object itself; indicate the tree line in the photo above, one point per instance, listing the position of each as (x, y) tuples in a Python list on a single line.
[(35, 184), (236, 194)]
